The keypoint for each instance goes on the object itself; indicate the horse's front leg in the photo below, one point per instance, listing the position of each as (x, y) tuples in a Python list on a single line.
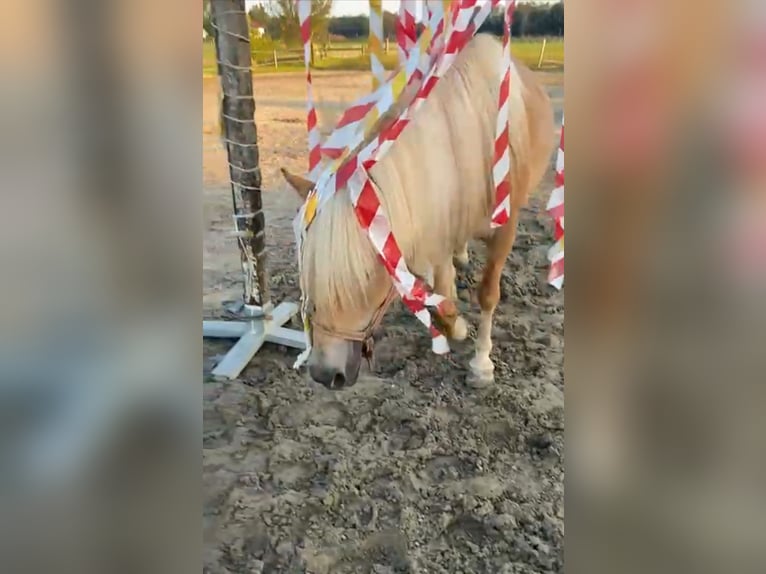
[(444, 284), (498, 248), (460, 257)]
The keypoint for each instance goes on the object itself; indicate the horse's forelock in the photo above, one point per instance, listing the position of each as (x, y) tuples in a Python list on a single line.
[(338, 260)]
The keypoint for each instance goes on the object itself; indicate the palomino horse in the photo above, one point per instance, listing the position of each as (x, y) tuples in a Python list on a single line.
[(435, 184)]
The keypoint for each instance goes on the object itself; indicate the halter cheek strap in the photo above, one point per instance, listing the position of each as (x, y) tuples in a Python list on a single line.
[(364, 336)]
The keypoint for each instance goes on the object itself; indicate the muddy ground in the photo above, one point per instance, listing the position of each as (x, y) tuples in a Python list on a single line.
[(410, 470)]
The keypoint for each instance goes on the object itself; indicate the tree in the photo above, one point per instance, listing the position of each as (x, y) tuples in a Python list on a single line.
[(537, 20), (528, 20), (556, 19), (350, 26), (494, 24), (259, 14), (286, 13), (389, 24)]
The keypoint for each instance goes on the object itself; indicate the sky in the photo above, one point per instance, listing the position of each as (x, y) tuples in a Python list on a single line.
[(355, 7), (349, 7)]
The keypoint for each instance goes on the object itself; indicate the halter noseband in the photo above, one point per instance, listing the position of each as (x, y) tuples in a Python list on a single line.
[(365, 335)]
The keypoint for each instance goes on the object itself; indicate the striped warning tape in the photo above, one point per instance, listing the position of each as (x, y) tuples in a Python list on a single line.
[(556, 210), (355, 125), (369, 210), (376, 44), (304, 18), (427, 59), (406, 29), (501, 170)]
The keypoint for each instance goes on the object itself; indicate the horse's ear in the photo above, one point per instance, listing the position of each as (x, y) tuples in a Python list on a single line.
[(298, 183)]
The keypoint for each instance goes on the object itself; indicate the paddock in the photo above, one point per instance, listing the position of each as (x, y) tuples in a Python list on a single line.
[(410, 470)]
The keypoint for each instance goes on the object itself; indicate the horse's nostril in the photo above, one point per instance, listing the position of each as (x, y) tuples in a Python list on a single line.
[(338, 381), (329, 377)]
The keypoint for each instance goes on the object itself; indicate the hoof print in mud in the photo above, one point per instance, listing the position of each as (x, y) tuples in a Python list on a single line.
[(480, 380), (542, 444)]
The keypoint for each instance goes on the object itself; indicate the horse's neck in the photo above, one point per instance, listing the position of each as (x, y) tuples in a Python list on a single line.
[(433, 203), (402, 198), (426, 196)]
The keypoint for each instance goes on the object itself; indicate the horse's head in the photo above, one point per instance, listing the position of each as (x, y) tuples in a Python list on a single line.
[(349, 290)]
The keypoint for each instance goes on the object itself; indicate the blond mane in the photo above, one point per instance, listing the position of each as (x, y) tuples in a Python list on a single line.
[(337, 274), (434, 182)]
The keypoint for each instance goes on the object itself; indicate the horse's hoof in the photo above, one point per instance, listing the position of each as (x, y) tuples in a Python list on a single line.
[(461, 260), (480, 379), (480, 375), (459, 330)]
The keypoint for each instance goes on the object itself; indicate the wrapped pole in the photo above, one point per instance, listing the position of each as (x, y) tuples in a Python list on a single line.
[(232, 43), (312, 123), (556, 210), (501, 170), (406, 29), (376, 43)]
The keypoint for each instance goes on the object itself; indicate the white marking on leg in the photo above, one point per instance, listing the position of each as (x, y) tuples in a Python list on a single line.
[(460, 329), (481, 364), (430, 276), (449, 279)]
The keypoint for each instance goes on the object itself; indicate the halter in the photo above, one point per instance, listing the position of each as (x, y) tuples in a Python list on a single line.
[(364, 336)]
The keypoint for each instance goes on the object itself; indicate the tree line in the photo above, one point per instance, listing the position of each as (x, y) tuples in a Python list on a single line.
[(280, 21), (529, 20)]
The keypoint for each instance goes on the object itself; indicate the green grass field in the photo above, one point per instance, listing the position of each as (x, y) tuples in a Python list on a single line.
[(528, 51)]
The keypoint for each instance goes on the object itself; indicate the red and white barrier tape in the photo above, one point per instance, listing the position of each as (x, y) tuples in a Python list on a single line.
[(304, 17), (356, 121), (447, 10), (376, 44), (450, 37), (463, 29), (501, 170), (556, 210), (370, 214), (438, 12), (355, 125), (406, 29), (428, 11)]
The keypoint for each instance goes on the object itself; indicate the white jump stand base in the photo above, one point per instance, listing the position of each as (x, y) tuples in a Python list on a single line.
[(252, 333)]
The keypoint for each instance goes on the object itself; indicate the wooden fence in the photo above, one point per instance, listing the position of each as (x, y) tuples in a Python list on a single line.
[(537, 53), (319, 52)]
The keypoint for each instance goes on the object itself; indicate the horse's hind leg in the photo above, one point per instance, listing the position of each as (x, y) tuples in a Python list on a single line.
[(444, 284), (498, 248)]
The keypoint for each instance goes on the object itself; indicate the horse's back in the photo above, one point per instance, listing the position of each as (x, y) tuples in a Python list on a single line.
[(440, 169)]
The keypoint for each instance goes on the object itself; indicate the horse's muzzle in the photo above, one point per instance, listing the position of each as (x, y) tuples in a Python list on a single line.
[(331, 378), (339, 368)]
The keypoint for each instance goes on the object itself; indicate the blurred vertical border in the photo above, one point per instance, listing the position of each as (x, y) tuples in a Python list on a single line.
[(666, 275), (100, 342)]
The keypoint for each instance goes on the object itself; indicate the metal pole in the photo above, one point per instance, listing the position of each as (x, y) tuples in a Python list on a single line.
[(238, 110), (542, 54)]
